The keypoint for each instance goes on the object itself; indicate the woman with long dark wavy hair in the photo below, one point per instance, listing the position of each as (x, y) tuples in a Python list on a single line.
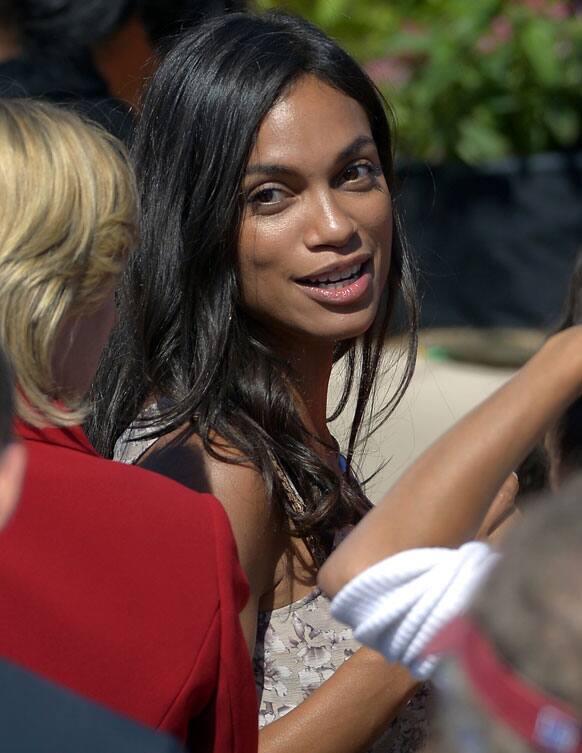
[(271, 249)]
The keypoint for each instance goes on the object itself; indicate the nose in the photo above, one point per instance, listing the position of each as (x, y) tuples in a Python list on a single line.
[(328, 223)]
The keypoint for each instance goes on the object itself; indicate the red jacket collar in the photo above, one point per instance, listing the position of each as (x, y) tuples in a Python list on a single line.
[(71, 437)]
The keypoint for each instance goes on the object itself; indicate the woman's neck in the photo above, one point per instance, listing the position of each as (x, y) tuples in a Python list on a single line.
[(310, 374), (310, 362)]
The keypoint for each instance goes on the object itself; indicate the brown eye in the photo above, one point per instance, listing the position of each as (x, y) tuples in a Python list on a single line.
[(267, 196), (354, 172)]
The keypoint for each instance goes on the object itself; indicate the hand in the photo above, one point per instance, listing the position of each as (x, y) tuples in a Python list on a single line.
[(502, 513)]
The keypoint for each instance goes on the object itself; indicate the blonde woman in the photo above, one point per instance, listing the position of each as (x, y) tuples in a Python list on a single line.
[(102, 590)]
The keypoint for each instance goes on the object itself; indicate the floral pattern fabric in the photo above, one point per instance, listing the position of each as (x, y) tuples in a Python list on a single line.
[(299, 647)]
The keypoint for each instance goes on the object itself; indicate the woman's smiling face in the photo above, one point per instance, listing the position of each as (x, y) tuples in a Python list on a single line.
[(314, 251)]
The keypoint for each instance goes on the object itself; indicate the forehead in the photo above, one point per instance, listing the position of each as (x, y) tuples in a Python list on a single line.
[(311, 124)]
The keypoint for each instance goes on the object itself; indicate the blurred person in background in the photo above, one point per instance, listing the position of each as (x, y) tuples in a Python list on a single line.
[(563, 441), (511, 679), (103, 591), (552, 461), (45, 52), (77, 52), (164, 20), (559, 455), (128, 57)]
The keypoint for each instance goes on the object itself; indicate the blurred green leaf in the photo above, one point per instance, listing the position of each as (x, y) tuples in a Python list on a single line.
[(469, 80), (539, 42), (564, 125), (479, 139)]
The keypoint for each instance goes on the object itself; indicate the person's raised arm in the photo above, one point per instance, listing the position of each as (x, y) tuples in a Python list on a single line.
[(442, 498)]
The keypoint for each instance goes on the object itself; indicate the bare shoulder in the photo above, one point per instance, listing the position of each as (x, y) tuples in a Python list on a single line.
[(239, 486), (240, 489)]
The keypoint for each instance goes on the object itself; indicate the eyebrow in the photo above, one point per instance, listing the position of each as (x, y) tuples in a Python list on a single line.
[(350, 151), (355, 147)]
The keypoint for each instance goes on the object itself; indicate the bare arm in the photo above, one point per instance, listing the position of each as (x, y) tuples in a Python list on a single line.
[(441, 499), (351, 709), (347, 713)]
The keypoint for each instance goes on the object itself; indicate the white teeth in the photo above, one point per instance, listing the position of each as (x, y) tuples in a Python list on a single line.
[(336, 279)]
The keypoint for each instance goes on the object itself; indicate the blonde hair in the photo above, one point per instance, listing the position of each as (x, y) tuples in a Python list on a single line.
[(68, 218)]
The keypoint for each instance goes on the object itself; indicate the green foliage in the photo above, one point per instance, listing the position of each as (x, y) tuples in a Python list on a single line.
[(469, 80)]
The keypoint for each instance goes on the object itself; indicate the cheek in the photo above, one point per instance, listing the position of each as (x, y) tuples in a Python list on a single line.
[(260, 259)]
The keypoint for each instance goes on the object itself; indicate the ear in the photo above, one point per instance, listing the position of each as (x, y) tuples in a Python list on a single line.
[(12, 465)]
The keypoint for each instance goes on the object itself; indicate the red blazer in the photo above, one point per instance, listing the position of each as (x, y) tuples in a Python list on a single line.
[(126, 587)]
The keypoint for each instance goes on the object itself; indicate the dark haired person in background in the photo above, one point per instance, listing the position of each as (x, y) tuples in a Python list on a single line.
[(165, 19), (564, 439), (45, 52)]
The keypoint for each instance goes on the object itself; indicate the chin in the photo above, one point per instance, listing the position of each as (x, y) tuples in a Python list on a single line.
[(349, 327)]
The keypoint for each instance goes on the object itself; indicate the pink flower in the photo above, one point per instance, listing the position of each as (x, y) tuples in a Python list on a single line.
[(549, 8), (535, 5), (559, 11), (501, 29), (394, 71), (500, 32)]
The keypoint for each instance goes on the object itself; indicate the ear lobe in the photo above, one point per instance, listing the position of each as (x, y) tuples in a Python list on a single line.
[(12, 467)]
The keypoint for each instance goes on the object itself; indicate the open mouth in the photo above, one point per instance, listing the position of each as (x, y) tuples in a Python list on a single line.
[(334, 280)]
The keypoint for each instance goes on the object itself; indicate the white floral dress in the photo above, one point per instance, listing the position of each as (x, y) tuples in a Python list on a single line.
[(298, 648)]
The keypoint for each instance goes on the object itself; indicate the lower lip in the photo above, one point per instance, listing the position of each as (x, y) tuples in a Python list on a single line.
[(352, 293)]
